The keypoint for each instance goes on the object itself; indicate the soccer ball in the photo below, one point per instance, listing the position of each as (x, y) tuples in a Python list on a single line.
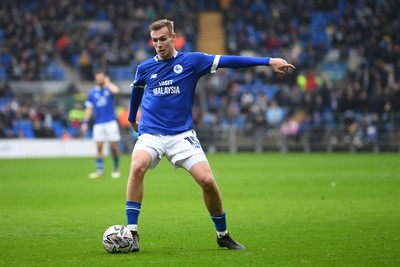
[(117, 239)]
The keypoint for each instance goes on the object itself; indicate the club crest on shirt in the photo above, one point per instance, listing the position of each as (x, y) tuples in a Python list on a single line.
[(178, 68)]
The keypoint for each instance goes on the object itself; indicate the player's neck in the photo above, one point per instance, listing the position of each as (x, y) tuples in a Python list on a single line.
[(173, 54)]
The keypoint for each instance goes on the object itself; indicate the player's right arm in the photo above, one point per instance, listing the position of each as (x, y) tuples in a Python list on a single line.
[(278, 65), (203, 63), (86, 118), (138, 86)]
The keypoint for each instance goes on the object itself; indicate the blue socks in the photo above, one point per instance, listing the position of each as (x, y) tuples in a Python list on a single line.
[(99, 164), (219, 222), (116, 163), (132, 214), (133, 211)]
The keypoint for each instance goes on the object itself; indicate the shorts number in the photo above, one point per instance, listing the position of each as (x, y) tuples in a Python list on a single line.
[(193, 141)]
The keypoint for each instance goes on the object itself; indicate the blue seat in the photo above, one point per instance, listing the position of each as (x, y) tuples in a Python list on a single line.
[(3, 74), (55, 72), (58, 128), (319, 21), (24, 126), (121, 73), (4, 101)]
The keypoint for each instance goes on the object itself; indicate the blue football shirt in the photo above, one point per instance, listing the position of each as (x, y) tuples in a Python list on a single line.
[(169, 90), (102, 102)]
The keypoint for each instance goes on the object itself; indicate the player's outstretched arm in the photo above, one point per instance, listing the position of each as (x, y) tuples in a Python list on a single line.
[(278, 65)]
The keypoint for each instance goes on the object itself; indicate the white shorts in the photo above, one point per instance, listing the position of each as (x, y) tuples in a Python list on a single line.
[(182, 150), (108, 131)]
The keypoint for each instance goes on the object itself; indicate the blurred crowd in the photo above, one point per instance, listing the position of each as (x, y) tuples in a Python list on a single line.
[(86, 33), (360, 37)]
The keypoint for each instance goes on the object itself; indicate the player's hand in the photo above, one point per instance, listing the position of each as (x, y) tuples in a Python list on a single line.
[(107, 80), (135, 126), (280, 66), (84, 127)]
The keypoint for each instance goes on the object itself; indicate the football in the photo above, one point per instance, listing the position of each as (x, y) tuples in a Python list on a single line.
[(117, 239)]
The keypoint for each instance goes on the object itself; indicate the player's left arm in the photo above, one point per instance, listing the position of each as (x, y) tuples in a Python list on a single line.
[(278, 65), (112, 86)]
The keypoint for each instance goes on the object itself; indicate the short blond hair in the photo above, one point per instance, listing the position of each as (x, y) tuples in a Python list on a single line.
[(155, 26)]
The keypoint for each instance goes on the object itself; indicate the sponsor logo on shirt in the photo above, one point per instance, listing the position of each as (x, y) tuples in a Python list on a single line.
[(166, 88)]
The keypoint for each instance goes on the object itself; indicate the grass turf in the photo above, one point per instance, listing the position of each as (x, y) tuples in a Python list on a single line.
[(287, 209)]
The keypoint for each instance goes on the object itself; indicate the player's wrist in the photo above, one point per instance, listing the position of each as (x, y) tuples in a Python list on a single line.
[(267, 60)]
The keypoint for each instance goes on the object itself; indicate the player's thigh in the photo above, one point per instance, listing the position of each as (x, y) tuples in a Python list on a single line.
[(153, 145), (99, 133), (202, 173), (112, 131), (141, 161), (181, 147)]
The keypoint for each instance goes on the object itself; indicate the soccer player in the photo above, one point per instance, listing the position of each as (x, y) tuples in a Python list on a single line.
[(100, 105), (164, 86)]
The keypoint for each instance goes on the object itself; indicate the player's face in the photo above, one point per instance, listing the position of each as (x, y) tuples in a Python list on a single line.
[(100, 78), (163, 42)]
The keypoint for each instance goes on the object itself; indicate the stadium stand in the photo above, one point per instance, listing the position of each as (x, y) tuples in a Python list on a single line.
[(345, 90)]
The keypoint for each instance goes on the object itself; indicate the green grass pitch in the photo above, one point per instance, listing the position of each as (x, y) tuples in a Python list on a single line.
[(287, 209)]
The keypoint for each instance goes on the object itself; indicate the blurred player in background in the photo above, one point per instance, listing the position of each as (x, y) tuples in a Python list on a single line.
[(164, 86), (100, 105)]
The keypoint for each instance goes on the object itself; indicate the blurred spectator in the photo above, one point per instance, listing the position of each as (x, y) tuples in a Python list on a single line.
[(4, 133), (180, 41), (290, 127), (42, 131), (246, 101), (66, 135), (274, 114), (125, 128), (60, 115), (5, 90), (311, 81), (85, 65), (76, 115)]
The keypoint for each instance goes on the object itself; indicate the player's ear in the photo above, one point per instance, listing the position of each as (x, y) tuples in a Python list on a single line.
[(173, 36)]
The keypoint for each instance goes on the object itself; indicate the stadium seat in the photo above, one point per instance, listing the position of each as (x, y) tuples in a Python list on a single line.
[(3, 74), (55, 72), (317, 28), (73, 131), (4, 101), (25, 127), (121, 73), (58, 128), (335, 71)]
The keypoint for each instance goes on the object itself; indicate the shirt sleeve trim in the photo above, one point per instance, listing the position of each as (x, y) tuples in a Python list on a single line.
[(214, 66)]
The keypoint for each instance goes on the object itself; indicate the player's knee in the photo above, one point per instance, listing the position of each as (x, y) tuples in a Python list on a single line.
[(207, 182), (139, 167)]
